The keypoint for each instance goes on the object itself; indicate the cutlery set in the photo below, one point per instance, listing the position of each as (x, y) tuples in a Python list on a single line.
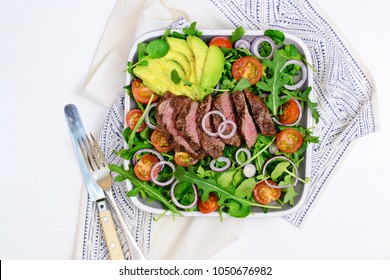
[(98, 181)]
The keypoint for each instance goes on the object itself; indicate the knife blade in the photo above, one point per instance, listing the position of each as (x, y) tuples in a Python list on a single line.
[(96, 194)]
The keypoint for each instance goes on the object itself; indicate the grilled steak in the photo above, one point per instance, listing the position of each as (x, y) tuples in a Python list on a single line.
[(165, 116), (224, 104), (213, 146), (185, 117), (260, 113), (245, 124)]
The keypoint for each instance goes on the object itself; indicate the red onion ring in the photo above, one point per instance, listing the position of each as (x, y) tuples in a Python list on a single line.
[(299, 116), (273, 148), (256, 44), (242, 44), (223, 168), (286, 159), (146, 150), (303, 71), (247, 153), (222, 128), (208, 132), (177, 203), (249, 170), (147, 119), (154, 169)]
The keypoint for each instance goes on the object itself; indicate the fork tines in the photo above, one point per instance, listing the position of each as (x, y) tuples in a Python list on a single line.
[(92, 153)]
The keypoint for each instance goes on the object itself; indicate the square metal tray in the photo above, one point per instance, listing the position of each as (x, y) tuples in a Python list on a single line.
[(156, 207)]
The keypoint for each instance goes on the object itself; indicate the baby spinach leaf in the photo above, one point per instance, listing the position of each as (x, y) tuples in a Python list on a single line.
[(276, 35), (237, 34), (157, 48)]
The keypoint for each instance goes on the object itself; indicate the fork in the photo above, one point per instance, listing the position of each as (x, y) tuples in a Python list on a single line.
[(98, 166)]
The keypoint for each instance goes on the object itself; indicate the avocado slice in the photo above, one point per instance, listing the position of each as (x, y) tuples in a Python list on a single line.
[(181, 46), (182, 60), (199, 49), (213, 69)]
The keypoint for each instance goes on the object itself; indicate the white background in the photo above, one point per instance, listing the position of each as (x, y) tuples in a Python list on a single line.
[(46, 48)]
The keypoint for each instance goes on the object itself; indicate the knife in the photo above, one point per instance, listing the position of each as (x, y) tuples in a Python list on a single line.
[(96, 194)]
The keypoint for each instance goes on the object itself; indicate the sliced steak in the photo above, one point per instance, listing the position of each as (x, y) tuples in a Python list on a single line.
[(185, 112), (165, 117), (261, 114), (213, 146), (245, 124), (224, 104)]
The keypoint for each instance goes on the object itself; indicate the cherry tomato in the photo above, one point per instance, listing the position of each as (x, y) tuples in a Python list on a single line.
[(132, 119), (290, 112), (184, 159), (160, 142), (265, 194), (210, 205), (221, 41), (144, 166), (141, 92), (289, 140), (248, 67)]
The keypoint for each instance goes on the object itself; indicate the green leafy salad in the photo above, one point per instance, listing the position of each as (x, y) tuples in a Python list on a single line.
[(218, 123)]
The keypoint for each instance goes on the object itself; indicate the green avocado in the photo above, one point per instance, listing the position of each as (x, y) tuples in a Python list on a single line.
[(181, 46), (213, 69), (199, 49), (182, 60)]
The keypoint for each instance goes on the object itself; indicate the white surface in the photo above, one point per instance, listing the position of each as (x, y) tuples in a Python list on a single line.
[(46, 49)]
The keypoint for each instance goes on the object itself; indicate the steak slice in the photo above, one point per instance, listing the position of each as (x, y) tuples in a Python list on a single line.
[(185, 112), (213, 146), (165, 117), (224, 104), (260, 114), (245, 124)]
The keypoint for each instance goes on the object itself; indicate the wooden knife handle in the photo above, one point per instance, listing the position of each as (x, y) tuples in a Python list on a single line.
[(110, 234)]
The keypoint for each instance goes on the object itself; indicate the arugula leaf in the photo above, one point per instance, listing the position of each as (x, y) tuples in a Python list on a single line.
[(242, 84), (279, 170), (245, 189), (192, 30), (210, 185), (275, 83), (276, 35), (237, 34), (153, 192), (235, 209), (289, 196)]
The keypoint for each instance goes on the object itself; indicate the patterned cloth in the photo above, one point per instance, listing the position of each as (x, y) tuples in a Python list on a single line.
[(342, 90)]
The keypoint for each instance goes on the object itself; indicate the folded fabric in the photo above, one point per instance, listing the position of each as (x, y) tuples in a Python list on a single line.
[(341, 88)]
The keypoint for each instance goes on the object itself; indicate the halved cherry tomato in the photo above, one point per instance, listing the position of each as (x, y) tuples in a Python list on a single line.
[(289, 140), (248, 67), (265, 194), (160, 142), (210, 205), (132, 119), (144, 166), (290, 112), (221, 41), (184, 159), (141, 92)]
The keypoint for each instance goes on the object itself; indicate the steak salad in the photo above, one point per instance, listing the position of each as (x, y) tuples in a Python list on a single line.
[(218, 122)]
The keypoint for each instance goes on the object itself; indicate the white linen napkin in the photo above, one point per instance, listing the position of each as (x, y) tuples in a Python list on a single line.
[(345, 102)]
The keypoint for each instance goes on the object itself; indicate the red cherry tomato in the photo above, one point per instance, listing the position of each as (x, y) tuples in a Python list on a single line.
[(290, 112), (160, 142), (132, 119), (289, 140), (144, 166), (221, 41), (141, 92), (265, 194), (247, 67), (210, 205)]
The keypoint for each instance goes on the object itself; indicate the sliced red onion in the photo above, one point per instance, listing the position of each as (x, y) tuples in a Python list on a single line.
[(242, 44), (247, 153), (154, 172), (177, 203), (273, 148), (222, 128), (207, 115), (146, 150), (255, 46), (147, 119), (299, 116), (249, 170), (303, 71), (223, 168), (285, 159)]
